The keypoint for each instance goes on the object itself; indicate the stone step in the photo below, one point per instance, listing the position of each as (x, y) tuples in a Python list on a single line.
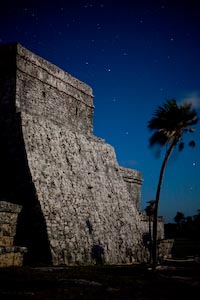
[(12, 256)]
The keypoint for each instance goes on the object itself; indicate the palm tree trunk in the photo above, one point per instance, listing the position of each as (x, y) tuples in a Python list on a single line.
[(155, 217), (150, 241)]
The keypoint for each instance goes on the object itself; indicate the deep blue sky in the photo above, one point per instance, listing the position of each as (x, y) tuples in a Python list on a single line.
[(135, 55)]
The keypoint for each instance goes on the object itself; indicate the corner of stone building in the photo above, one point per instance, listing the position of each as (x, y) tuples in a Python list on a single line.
[(133, 180)]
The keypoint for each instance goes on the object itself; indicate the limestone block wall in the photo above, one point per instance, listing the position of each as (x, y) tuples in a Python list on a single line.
[(79, 200), (46, 91), (133, 181), (165, 247), (80, 182), (8, 221), (10, 255), (160, 225)]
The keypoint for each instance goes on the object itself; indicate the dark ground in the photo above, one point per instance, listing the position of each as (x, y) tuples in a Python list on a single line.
[(174, 280)]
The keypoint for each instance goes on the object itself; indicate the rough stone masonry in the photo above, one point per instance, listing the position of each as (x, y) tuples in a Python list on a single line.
[(79, 205)]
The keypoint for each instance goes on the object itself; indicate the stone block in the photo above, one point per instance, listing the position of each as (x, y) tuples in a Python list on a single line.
[(11, 256)]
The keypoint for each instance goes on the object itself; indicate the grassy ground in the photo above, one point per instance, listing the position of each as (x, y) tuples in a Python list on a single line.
[(180, 281)]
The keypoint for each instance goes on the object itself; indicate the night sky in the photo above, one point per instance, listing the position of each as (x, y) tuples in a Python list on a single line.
[(135, 55)]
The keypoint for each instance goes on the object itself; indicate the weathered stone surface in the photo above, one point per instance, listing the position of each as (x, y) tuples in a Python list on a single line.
[(133, 182), (79, 181), (8, 222), (165, 248), (9, 207), (9, 255), (160, 225), (68, 181)]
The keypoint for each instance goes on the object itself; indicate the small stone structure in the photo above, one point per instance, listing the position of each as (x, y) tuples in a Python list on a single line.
[(10, 255), (165, 247), (76, 198)]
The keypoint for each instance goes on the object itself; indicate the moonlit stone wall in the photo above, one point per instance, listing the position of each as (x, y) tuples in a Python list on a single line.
[(88, 205)]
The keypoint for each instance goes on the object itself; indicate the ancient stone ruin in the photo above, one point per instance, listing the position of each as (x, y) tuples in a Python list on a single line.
[(10, 255), (78, 205)]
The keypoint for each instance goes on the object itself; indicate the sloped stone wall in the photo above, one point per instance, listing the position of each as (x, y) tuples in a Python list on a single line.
[(79, 181), (90, 204)]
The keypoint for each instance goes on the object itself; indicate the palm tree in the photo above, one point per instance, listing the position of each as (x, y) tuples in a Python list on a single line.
[(179, 219), (169, 123)]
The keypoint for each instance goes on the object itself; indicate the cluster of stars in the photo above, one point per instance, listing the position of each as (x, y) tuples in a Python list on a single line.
[(91, 5), (135, 55)]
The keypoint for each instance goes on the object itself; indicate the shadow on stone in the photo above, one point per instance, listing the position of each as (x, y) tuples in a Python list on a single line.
[(98, 254), (17, 187)]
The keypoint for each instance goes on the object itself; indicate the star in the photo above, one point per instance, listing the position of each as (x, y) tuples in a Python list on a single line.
[(98, 26)]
